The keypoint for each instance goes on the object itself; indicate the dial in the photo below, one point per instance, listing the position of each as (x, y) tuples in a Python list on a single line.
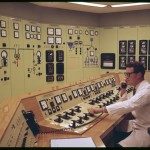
[(50, 40), (91, 32), (70, 31), (4, 54), (96, 32), (50, 31), (58, 40), (38, 53), (57, 31), (86, 32), (38, 29)]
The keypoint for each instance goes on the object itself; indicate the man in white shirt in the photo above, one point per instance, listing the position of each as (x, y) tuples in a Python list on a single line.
[(138, 105)]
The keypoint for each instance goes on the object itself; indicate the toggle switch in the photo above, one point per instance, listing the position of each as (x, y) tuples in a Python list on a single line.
[(66, 116), (80, 121), (73, 125), (59, 120), (72, 112), (77, 109), (85, 117)]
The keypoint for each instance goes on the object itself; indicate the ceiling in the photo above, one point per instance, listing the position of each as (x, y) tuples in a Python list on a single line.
[(76, 7)]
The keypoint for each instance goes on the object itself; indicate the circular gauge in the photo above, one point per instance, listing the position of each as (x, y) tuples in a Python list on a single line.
[(4, 54), (96, 32), (86, 32), (38, 53), (80, 31)]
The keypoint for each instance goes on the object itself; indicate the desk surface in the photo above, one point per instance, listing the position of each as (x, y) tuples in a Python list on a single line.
[(97, 132)]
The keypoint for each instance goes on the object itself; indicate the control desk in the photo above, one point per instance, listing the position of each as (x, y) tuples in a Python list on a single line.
[(62, 112)]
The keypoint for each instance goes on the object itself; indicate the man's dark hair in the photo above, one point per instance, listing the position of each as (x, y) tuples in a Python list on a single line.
[(138, 67)]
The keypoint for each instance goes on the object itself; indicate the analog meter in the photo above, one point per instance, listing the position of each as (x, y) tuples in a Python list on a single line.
[(4, 54)]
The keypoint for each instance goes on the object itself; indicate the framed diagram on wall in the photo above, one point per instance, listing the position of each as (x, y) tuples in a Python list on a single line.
[(122, 62), (131, 59), (143, 47), (131, 47), (122, 47), (143, 60)]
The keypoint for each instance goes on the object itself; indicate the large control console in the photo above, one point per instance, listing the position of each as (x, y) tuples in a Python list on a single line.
[(65, 109)]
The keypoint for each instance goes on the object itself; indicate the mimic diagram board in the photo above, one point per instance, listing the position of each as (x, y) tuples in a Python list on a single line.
[(91, 47), (83, 42), (36, 55), (82, 52), (23, 56)]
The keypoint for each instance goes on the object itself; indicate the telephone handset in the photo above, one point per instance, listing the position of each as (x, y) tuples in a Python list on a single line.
[(123, 85)]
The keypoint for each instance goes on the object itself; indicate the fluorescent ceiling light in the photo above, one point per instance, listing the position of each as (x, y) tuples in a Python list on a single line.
[(131, 4), (89, 4)]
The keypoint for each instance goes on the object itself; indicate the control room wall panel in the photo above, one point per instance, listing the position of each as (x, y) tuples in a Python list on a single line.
[(108, 44), (73, 53)]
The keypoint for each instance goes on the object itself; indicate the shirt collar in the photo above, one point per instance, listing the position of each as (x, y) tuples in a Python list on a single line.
[(141, 84)]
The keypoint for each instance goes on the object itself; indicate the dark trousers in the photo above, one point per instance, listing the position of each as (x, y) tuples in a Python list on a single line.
[(116, 138), (119, 136)]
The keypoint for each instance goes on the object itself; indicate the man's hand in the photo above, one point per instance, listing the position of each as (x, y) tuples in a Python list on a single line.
[(95, 110)]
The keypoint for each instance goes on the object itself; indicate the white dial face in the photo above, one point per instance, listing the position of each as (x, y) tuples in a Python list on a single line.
[(33, 28), (76, 31), (70, 31), (4, 54), (27, 27), (64, 97), (57, 99), (58, 31), (96, 32), (50, 40), (38, 36), (3, 24), (58, 40), (43, 105), (27, 35), (3, 33), (91, 32), (38, 53), (80, 92), (80, 31), (86, 32), (16, 34), (16, 26), (50, 31), (38, 29)]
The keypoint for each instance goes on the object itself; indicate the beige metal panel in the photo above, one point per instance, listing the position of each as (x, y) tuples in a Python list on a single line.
[(54, 39), (91, 55), (74, 53), (33, 58), (108, 44), (16, 56), (5, 64)]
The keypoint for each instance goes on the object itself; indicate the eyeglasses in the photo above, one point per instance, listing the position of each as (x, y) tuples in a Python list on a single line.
[(128, 74)]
